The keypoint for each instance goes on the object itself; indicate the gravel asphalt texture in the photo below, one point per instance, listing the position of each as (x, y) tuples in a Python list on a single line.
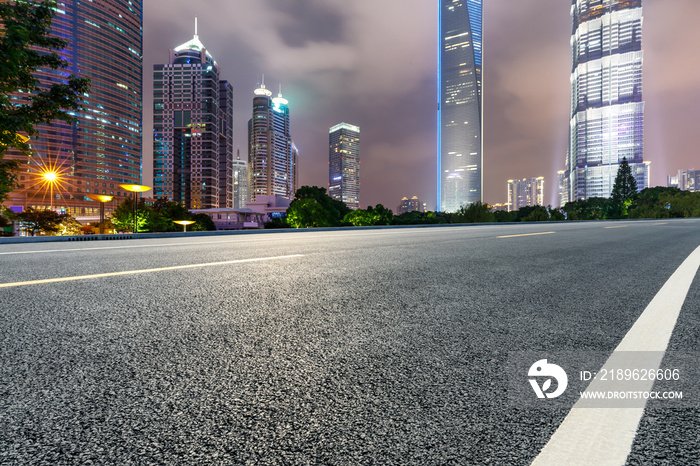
[(374, 347)]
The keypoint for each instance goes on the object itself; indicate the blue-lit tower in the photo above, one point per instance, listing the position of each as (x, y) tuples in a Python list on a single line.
[(607, 111), (460, 109)]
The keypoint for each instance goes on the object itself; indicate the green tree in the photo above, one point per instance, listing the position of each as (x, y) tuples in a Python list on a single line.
[(593, 208), (25, 47), (537, 213), (35, 221), (308, 213), (123, 216), (203, 222), (476, 212), (324, 211), (623, 192)]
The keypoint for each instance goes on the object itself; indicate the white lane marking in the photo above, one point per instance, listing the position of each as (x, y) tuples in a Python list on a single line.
[(604, 436), (661, 223), (528, 234), (132, 272), (277, 237)]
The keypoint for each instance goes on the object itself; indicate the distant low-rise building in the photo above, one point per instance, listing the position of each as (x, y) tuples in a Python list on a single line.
[(525, 192), (410, 205), (685, 180), (272, 206), (234, 219)]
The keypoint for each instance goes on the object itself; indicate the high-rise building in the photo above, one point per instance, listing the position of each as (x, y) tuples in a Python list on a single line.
[(102, 149), (460, 110), (685, 180), (563, 189), (239, 169), (607, 111), (192, 129), (410, 205), (525, 192), (344, 164), (272, 155)]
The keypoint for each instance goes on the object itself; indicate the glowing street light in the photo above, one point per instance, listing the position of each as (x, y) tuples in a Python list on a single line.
[(184, 223), (101, 199), (136, 189)]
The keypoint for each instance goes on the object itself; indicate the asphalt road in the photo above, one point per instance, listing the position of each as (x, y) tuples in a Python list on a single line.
[(347, 347)]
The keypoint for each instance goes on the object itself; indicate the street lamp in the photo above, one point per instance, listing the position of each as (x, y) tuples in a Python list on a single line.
[(135, 188), (184, 223), (101, 199)]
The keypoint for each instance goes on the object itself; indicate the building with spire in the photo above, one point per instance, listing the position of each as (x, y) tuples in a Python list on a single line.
[(607, 111), (344, 164), (192, 129), (102, 149), (272, 155), (460, 109)]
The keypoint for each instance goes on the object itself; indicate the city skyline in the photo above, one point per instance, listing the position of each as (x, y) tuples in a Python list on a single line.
[(333, 70)]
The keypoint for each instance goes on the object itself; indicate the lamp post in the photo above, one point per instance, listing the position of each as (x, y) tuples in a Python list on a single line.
[(184, 223), (136, 189), (101, 199)]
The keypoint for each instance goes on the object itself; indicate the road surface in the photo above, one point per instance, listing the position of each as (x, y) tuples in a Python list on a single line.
[(379, 346)]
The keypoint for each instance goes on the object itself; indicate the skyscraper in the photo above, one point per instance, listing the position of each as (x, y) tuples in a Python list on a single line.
[(525, 192), (607, 111), (239, 169), (344, 164), (460, 110), (192, 129), (103, 148), (272, 156)]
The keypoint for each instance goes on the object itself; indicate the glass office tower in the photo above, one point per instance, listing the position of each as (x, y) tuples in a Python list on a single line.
[(607, 111), (460, 149), (344, 164), (103, 148), (272, 155), (192, 130)]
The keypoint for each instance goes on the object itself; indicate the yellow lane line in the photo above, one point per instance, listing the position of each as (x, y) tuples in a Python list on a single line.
[(133, 272), (661, 223), (527, 234), (619, 226)]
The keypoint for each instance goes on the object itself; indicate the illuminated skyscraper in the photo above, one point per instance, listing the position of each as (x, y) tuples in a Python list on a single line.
[(192, 130), (239, 169), (607, 111), (272, 156), (344, 164), (525, 192), (460, 149), (103, 148)]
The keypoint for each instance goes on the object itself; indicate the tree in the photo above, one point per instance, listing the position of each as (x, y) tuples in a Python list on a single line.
[(379, 215), (40, 220), (25, 47), (538, 213), (624, 190), (308, 213), (312, 207), (476, 212), (123, 216)]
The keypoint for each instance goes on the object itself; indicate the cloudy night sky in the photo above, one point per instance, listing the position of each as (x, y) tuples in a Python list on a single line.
[(373, 63)]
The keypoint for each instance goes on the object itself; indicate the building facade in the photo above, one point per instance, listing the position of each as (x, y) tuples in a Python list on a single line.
[(607, 110), (239, 169), (344, 164), (460, 109), (525, 192), (685, 180), (272, 155), (192, 130), (410, 205), (102, 149)]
